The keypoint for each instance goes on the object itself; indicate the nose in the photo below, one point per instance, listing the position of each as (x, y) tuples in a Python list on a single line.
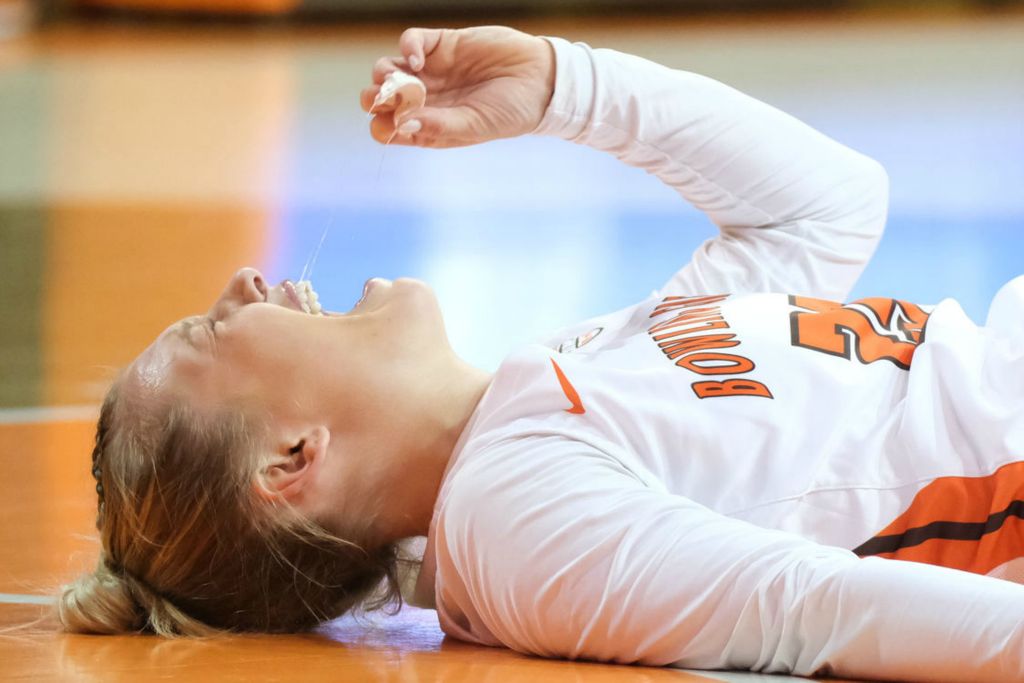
[(245, 287), (249, 284)]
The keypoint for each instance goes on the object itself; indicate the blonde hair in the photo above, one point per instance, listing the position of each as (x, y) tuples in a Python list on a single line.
[(187, 548)]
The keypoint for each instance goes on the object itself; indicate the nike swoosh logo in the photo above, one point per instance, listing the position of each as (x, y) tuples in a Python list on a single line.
[(570, 391)]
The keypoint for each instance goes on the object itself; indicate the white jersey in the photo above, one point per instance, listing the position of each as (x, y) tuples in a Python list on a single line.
[(697, 480)]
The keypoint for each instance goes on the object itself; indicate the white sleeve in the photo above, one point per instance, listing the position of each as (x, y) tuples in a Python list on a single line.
[(566, 554), (798, 212)]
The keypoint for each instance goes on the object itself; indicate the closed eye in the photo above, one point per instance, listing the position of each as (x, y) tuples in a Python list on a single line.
[(186, 326)]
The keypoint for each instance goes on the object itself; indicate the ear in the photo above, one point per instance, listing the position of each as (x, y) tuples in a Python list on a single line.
[(293, 467)]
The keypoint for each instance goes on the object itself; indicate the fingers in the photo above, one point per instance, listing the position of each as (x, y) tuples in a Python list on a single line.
[(367, 96), (443, 127), (423, 127), (382, 128), (430, 127), (416, 44), (385, 65)]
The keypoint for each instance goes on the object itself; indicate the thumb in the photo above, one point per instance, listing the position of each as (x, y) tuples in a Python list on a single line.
[(443, 126)]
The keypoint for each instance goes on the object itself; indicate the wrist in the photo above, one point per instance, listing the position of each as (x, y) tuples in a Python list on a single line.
[(569, 108), (546, 65)]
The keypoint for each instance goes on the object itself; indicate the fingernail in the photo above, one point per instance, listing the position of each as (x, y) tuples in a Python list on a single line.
[(409, 127), (415, 63)]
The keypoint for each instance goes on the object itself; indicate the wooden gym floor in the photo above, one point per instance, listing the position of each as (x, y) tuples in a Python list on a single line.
[(140, 166)]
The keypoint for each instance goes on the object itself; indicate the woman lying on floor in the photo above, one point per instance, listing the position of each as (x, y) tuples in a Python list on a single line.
[(732, 473)]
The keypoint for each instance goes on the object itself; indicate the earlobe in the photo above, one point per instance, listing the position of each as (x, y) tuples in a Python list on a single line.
[(293, 468)]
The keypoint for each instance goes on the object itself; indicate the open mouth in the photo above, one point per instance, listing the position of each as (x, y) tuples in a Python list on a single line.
[(304, 297)]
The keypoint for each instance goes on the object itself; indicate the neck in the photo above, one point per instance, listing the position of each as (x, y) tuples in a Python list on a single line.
[(451, 395)]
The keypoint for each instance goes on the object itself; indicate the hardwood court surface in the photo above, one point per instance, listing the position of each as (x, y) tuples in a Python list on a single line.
[(47, 504), (140, 166)]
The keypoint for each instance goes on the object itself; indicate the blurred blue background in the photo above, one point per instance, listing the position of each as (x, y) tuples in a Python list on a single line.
[(547, 232), (142, 162)]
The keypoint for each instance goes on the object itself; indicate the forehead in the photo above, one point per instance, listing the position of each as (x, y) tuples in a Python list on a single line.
[(164, 362)]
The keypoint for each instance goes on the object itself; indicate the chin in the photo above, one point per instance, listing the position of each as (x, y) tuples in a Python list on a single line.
[(415, 291), (417, 302)]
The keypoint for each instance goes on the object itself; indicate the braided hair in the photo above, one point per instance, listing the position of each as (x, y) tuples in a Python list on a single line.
[(187, 549), (102, 428)]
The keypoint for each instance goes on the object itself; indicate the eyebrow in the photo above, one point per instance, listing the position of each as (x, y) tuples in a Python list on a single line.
[(183, 331)]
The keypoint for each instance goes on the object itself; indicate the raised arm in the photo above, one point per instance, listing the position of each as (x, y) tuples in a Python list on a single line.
[(581, 560), (798, 212)]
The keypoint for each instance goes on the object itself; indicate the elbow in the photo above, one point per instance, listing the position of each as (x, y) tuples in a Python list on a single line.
[(873, 200), (861, 210)]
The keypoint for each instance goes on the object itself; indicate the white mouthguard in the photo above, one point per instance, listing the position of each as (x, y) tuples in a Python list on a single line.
[(403, 91), (309, 299)]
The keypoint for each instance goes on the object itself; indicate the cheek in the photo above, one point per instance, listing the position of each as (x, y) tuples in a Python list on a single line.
[(273, 352), (252, 356)]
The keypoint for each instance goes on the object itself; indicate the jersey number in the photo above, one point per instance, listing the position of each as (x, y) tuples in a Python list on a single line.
[(873, 329)]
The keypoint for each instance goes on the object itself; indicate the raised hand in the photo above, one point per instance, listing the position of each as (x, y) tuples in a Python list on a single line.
[(482, 84)]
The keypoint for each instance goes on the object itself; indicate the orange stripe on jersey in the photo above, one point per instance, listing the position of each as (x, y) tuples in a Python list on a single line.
[(969, 523)]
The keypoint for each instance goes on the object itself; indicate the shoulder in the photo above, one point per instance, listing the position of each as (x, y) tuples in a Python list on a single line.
[(520, 532), (524, 501), (529, 503), (505, 475)]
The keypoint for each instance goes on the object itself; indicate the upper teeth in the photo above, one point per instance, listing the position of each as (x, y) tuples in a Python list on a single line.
[(308, 298)]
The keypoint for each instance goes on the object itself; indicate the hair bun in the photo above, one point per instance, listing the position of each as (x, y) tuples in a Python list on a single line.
[(100, 602)]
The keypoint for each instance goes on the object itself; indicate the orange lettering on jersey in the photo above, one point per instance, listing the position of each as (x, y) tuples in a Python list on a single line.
[(674, 349), (970, 523), (674, 337), (682, 339), (694, 316), (730, 387), (717, 323), (873, 329), (716, 364), (672, 303)]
